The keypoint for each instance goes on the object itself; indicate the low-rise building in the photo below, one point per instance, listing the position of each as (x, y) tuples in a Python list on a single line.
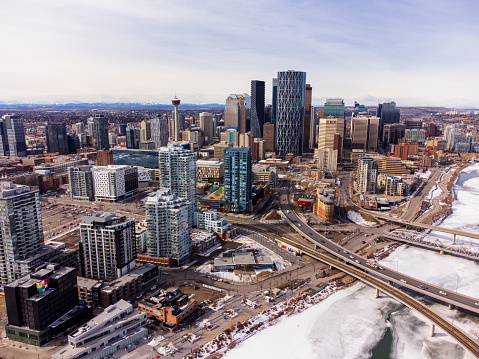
[(202, 241), (264, 173), (116, 328), (325, 205), (242, 261), (171, 309), (211, 171), (211, 221), (114, 183)]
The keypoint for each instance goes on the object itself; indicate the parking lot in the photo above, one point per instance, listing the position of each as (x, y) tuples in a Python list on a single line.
[(60, 219)]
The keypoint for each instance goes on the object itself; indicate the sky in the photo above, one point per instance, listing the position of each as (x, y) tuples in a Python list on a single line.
[(415, 52)]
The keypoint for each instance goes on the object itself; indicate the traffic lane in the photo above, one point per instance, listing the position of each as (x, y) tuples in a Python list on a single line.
[(406, 281)]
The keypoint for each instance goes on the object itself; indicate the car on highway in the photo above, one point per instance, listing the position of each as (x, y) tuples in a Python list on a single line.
[(423, 287), (345, 252), (337, 250), (357, 261), (476, 303), (310, 234), (322, 241), (403, 280), (352, 257), (442, 293)]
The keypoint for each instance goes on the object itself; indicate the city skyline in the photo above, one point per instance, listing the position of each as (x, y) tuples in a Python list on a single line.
[(412, 53)]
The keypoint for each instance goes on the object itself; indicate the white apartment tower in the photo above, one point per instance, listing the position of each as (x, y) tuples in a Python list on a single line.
[(177, 167), (113, 183), (168, 227)]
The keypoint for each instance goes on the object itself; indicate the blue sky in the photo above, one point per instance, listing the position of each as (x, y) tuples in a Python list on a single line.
[(414, 52)]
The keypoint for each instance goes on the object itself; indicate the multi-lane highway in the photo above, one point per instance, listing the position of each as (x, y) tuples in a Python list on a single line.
[(444, 295)]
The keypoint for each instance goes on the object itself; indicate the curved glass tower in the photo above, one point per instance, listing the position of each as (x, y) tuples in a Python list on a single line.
[(290, 112)]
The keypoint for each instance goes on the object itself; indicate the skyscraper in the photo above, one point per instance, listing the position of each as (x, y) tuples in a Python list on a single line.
[(12, 134), (268, 136), (290, 112), (274, 106), (57, 138), (132, 138), (334, 107), (100, 132), (159, 131), (238, 178), (168, 227), (206, 124), (364, 132), (21, 234), (145, 131), (387, 113), (177, 168), (367, 175), (257, 108), (108, 245), (238, 112), (307, 116)]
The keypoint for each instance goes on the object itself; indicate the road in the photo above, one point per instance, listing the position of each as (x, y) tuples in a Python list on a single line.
[(350, 257)]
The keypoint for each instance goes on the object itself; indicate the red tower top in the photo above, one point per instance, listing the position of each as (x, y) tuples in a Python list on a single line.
[(175, 101)]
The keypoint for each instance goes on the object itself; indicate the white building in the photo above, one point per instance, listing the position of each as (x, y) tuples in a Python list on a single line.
[(210, 221), (327, 159), (116, 328), (168, 226), (115, 182)]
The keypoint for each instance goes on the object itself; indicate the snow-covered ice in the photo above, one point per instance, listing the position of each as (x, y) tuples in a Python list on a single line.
[(358, 219)]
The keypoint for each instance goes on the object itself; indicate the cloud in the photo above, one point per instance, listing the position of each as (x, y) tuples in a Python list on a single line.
[(412, 50)]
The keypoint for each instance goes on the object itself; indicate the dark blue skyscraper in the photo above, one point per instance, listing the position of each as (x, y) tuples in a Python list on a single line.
[(257, 108), (57, 140), (100, 132), (387, 113), (274, 107), (290, 112), (238, 178)]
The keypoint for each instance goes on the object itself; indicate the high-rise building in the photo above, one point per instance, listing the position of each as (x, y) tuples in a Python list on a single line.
[(107, 247), (115, 182), (307, 116), (412, 124), (238, 112), (12, 136), (257, 108), (79, 128), (290, 112), (274, 105), (21, 234), (57, 138), (168, 227), (364, 132), (238, 178), (268, 136), (392, 133), (219, 149), (177, 167), (312, 128), (80, 181), (327, 128), (100, 132), (401, 151), (159, 131), (104, 157), (132, 138), (145, 131), (387, 113), (206, 124), (367, 175), (334, 107), (328, 159)]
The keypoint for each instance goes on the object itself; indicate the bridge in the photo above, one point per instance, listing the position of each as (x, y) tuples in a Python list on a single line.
[(430, 227), (469, 251), (379, 277)]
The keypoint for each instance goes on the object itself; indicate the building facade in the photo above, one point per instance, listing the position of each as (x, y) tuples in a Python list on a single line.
[(159, 131), (367, 175), (12, 136), (257, 108), (57, 141), (115, 182), (209, 171), (80, 180), (100, 132), (107, 247), (238, 178), (168, 227), (290, 112), (21, 235), (387, 113), (177, 167), (206, 124)]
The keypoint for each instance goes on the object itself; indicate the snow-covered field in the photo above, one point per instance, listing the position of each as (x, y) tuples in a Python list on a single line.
[(358, 219), (350, 323), (246, 243)]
